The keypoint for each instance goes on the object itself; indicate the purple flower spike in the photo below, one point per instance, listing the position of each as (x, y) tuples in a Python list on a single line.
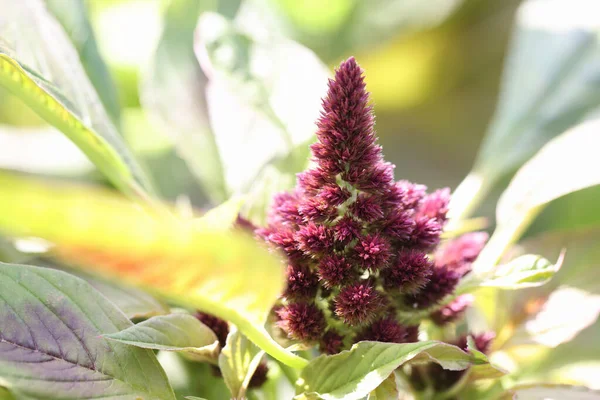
[(442, 282), (332, 342), (358, 304), (302, 283), (359, 244), (460, 253), (384, 330), (302, 321), (453, 311), (372, 252), (409, 273)]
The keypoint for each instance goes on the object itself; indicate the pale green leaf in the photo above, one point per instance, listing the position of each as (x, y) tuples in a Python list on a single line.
[(552, 392), (225, 273), (551, 82), (175, 332), (237, 362), (566, 164), (73, 16), (525, 271), (355, 373), (51, 345), (173, 91), (272, 85), (50, 80), (566, 312), (387, 390)]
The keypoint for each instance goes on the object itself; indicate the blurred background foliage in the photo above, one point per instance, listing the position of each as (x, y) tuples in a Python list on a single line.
[(434, 69)]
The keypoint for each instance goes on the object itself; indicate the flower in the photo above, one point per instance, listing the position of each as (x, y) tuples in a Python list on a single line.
[(452, 311), (302, 321), (358, 304), (216, 324), (384, 330), (409, 272), (361, 248), (260, 376)]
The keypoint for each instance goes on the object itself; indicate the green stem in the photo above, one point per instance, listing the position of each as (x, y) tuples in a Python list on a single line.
[(456, 388)]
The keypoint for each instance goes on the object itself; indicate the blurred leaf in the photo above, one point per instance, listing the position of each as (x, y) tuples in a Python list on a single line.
[(565, 164), (237, 362), (77, 362), (190, 378), (73, 16), (353, 374), (350, 25), (566, 312), (551, 82), (552, 392), (40, 44), (387, 390), (523, 272), (5, 394), (221, 217), (174, 332), (132, 302), (272, 85), (226, 274), (173, 91), (40, 150)]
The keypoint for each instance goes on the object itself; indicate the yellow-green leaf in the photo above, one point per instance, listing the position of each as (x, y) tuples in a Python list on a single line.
[(226, 273), (52, 82)]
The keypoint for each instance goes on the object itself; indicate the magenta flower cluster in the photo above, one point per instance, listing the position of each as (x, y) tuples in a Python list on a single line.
[(362, 249)]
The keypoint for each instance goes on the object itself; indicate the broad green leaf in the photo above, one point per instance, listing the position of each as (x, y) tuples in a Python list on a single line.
[(272, 85), (353, 374), (51, 346), (566, 164), (552, 392), (175, 332), (173, 91), (237, 362), (551, 82), (73, 16), (225, 273), (51, 81)]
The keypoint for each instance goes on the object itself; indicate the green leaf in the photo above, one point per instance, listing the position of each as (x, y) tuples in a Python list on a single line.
[(226, 273), (552, 392), (551, 82), (523, 272), (175, 332), (73, 16), (566, 164), (52, 82), (51, 346), (355, 373), (173, 91), (387, 390), (272, 85), (237, 362), (557, 322), (5, 394), (133, 302)]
